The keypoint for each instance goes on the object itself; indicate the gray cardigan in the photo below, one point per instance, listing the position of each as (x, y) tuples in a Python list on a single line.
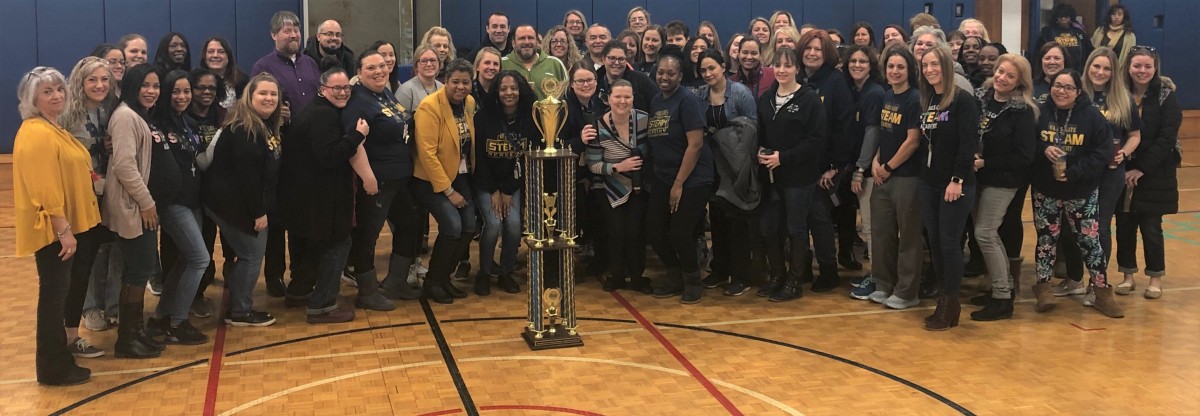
[(125, 191)]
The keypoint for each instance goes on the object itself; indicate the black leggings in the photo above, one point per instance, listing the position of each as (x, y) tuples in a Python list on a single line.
[(88, 243), (673, 235)]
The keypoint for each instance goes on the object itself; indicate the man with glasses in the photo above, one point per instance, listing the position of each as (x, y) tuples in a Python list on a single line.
[(616, 66), (497, 35), (329, 49), (535, 67)]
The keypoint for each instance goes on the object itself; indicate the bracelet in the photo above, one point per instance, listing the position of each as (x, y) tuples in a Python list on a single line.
[(857, 177), (64, 232), (887, 168)]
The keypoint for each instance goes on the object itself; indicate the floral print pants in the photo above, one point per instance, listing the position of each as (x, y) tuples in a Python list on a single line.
[(1081, 217)]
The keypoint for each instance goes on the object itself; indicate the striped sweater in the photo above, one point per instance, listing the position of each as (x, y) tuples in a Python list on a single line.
[(608, 149)]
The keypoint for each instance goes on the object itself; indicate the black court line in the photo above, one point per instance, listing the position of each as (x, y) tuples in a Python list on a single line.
[(448, 357), (147, 377)]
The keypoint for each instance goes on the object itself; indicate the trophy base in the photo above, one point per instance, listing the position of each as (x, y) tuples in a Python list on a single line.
[(560, 339)]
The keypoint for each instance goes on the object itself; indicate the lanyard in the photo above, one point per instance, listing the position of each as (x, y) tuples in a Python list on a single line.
[(1060, 135), (632, 131)]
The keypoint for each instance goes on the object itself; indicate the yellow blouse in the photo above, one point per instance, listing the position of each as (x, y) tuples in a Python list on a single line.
[(52, 176)]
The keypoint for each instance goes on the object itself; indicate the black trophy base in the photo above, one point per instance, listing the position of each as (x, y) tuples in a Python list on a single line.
[(558, 339)]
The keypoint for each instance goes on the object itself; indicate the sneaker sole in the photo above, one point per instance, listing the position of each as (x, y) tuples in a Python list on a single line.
[(175, 341), (861, 297), (735, 294), (199, 315), (88, 355), (240, 323)]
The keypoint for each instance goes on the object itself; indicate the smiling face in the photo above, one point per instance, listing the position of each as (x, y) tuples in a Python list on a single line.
[(558, 45), (785, 71), (734, 47), (372, 73), (631, 45), (620, 100), (713, 71), (216, 56), (510, 94), (265, 99), (761, 31), (497, 29), (651, 42), (638, 21), (428, 64), (1052, 62), (668, 76), (389, 56), (896, 72), (813, 55), (781, 21), (135, 52), (574, 24), (697, 47), (1064, 91), (583, 82), (1142, 70), (987, 60), (892, 35), (749, 56), (859, 66), (441, 45), (782, 40), (489, 66), (862, 37), (204, 93), (287, 40), (931, 69), (924, 44), (116, 64), (1006, 78), (614, 62), (526, 43), (177, 50), (148, 93), (51, 98), (458, 86), (596, 38), (970, 50), (96, 86), (329, 35), (181, 95), (1100, 72), (337, 90)]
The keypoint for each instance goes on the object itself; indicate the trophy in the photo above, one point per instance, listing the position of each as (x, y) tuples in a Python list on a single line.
[(549, 216)]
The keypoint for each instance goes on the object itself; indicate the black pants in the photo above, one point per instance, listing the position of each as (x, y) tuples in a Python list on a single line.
[(1150, 225), (673, 234), (62, 287), (394, 201), (1012, 230), (731, 230), (88, 243), (626, 237)]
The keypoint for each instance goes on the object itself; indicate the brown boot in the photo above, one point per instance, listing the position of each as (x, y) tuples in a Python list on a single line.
[(1106, 303), (1045, 299), (946, 315)]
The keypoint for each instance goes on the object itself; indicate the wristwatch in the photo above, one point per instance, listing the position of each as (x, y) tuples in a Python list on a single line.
[(449, 191), (955, 179), (887, 167)]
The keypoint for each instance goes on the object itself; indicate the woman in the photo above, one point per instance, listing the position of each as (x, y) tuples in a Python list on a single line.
[(1116, 33), (558, 44), (864, 35), (760, 30), (1054, 60), (1007, 139), (974, 28), (861, 69), (729, 104), (819, 63), (969, 59), (487, 65), (1151, 172), (388, 52), (682, 181), (239, 189), (750, 70), (53, 197), (208, 91), (1075, 149), (423, 83), (116, 61), (638, 19), (695, 46), (1064, 30), (445, 146), (132, 212), (219, 58), (955, 39), (134, 47), (176, 190), (506, 132), (442, 43), (731, 55), (652, 42), (708, 31), (632, 47), (894, 33), (584, 108), (173, 53), (384, 191), (576, 25), (946, 191), (317, 190), (791, 140), (781, 19), (989, 56), (784, 37)]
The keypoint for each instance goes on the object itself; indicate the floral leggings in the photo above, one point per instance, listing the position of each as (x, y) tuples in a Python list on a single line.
[(1081, 217)]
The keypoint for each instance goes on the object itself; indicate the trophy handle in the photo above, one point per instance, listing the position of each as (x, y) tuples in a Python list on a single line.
[(537, 121)]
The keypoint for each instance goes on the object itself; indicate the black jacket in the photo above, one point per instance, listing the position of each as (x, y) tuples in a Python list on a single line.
[(644, 89), (830, 85), (799, 131), (1088, 146), (954, 135), (1157, 156), (344, 57), (239, 185), (316, 182), (500, 147), (1007, 141)]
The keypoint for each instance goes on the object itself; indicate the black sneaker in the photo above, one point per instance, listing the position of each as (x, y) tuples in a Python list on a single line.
[(463, 273), (252, 318), (714, 281), (185, 334), (156, 327), (692, 295), (735, 288)]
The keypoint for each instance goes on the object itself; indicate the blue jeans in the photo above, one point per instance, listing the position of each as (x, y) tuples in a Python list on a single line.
[(493, 228), (140, 257), (180, 283), (944, 223), (324, 264), (452, 222), (104, 286), (250, 249)]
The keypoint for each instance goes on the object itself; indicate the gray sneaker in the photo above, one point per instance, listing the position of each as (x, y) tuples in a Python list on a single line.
[(93, 320), (896, 302), (1068, 287), (82, 348)]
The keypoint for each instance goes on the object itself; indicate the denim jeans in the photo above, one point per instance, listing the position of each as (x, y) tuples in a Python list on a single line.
[(452, 222), (324, 264), (104, 285), (785, 209), (250, 249), (989, 214), (180, 283), (944, 224), (1128, 225), (140, 257), (371, 211), (896, 246), (493, 228)]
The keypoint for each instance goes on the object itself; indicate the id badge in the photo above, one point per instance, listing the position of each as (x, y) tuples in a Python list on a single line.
[(462, 166)]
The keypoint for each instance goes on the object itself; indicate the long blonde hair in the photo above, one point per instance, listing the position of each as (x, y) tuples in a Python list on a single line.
[(573, 54), (76, 111), (949, 89), (1024, 89), (1118, 111), (243, 116)]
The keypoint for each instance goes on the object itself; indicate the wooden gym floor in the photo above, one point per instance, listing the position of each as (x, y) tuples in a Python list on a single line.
[(825, 354)]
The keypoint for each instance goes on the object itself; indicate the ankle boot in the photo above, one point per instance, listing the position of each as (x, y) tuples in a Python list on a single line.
[(1045, 297), (773, 283), (442, 262), (131, 338), (791, 289), (483, 284), (672, 286), (946, 314), (995, 310), (829, 279), (1106, 303), (395, 286), (1014, 271), (368, 293), (693, 288), (983, 299)]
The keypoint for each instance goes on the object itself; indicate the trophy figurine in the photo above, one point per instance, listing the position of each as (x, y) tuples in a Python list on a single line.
[(548, 210), (549, 114)]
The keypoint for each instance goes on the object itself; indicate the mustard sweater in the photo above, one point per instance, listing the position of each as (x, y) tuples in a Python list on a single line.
[(52, 176)]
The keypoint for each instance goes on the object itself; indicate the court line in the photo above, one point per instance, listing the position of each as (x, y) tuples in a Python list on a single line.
[(448, 356), (279, 394), (122, 386), (218, 353), (691, 369)]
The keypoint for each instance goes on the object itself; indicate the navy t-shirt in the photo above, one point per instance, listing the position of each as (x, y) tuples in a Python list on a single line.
[(1120, 133), (901, 112), (670, 120), (387, 145)]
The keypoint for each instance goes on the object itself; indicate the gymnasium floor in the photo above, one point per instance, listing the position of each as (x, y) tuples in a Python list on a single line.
[(825, 354)]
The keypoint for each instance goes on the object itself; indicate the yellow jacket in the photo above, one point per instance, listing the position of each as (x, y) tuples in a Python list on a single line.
[(52, 176), (437, 140)]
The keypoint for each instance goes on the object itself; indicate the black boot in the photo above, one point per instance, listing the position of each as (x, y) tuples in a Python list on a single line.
[(983, 299), (693, 288), (829, 279), (773, 283), (672, 286), (395, 286), (507, 283), (641, 284), (275, 287), (441, 263), (995, 310), (791, 289), (461, 246), (368, 293), (132, 342), (1014, 270), (483, 284)]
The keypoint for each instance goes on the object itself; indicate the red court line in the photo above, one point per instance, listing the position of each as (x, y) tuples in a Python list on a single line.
[(542, 409), (442, 412), (214, 363), (696, 374)]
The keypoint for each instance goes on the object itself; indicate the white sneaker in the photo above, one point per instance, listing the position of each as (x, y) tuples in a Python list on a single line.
[(1068, 287), (415, 272), (1089, 298), (878, 296), (93, 320), (895, 302)]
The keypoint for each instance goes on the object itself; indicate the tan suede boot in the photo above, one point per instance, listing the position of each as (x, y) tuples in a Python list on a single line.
[(1045, 299), (1106, 303)]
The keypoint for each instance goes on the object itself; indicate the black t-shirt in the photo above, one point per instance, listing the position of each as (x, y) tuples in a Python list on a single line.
[(670, 120), (901, 112), (387, 145), (1120, 133)]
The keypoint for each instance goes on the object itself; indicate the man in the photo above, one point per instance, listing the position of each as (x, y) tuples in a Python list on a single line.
[(677, 33), (328, 48), (597, 36), (535, 67), (616, 67), (298, 75), (497, 35)]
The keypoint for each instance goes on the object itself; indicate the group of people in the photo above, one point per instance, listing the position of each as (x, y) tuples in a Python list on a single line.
[(125, 171)]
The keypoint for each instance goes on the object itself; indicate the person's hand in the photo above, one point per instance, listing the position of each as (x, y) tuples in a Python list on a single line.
[(676, 195), (629, 165), (771, 161), (260, 223), (498, 205), (953, 192), (363, 127), (978, 163), (285, 111), (371, 186), (1132, 176), (69, 244), (457, 199), (1054, 153), (881, 175), (1119, 158), (588, 134), (856, 184), (150, 218), (827, 179)]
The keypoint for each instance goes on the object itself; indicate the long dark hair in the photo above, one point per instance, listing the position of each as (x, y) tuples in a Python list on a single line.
[(232, 74), (870, 33), (164, 114), (902, 51), (873, 75), (1126, 22), (162, 56), (524, 102), (393, 76), (132, 84)]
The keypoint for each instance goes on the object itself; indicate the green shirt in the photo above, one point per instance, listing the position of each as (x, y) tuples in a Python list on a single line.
[(543, 67)]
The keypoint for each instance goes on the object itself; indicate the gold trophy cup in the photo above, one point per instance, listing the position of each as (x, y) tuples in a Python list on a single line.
[(549, 114)]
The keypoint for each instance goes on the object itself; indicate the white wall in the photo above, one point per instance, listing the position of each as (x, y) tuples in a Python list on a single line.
[(1010, 22)]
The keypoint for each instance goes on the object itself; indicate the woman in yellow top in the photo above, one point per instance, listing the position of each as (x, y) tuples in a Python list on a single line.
[(445, 137), (53, 198)]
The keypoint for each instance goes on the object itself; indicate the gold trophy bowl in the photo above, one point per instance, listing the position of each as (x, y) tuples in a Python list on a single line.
[(549, 114)]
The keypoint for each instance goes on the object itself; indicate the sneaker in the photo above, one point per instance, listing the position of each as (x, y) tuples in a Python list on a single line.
[(1068, 287), (896, 302), (864, 289), (253, 318), (157, 327), (735, 288), (154, 285), (201, 308), (93, 320), (338, 315), (713, 281), (878, 296), (415, 272), (463, 273), (185, 334), (1089, 298), (348, 278), (82, 348)]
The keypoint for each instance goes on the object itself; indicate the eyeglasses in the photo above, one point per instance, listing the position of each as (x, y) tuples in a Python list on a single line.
[(427, 61), (1150, 49), (339, 89), (1064, 87), (616, 59), (584, 81), (120, 62), (558, 41), (332, 34), (205, 88)]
